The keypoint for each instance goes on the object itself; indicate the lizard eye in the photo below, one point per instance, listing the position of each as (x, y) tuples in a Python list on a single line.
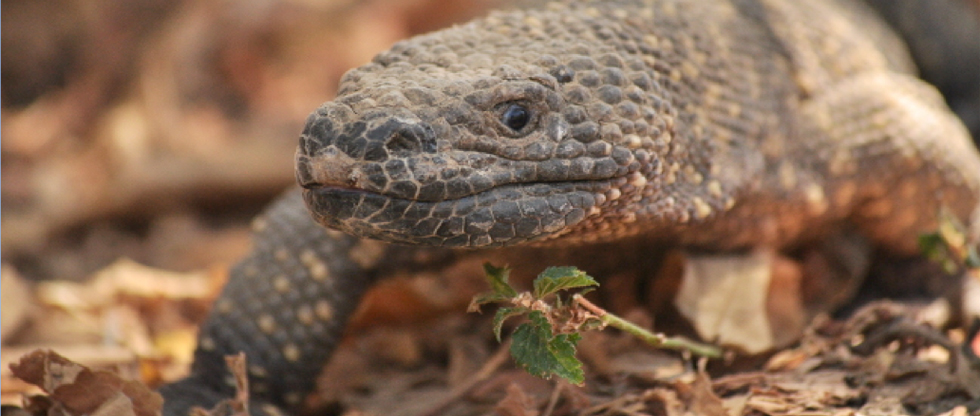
[(515, 117)]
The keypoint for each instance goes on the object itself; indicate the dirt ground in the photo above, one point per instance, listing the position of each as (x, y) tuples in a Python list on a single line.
[(140, 138)]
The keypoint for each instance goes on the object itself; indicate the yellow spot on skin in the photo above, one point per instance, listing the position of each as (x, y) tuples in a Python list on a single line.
[(319, 272), (259, 224), (671, 175), (271, 410), (282, 255), (257, 371), (714, 188), (620, 14), (305, 315), (696, 178), (651, 40), (613, 194), (317, 269), (729, 203), (684, 217), (293, 399), (223, 306), (632, 141), (689, 70), (323, 310), (701, 209), (267, 324), (592, 12), (291, 352), (207, 344), (281, 283), (637, 179), (335, 234), (734, 110), (532, 21)]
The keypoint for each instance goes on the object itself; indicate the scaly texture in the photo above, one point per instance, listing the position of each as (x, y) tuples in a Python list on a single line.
[(600, 127)]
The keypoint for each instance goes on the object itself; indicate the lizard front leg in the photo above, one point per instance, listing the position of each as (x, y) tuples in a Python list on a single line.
[(893, 156), (285, 306)]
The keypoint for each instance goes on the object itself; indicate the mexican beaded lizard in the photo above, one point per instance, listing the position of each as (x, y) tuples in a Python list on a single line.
[(589, 131)]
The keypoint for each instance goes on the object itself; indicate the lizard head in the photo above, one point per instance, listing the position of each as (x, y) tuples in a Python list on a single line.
[(499, 132)]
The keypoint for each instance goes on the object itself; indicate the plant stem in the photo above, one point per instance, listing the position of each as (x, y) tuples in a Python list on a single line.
[(656, 340)]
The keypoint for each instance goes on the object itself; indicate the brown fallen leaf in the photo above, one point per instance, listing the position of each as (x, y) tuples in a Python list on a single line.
[(699, 398), (516, 403), (129, 279), (74, 389), (725, 297)]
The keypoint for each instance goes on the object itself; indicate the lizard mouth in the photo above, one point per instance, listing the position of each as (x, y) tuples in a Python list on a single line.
[(500, 216)]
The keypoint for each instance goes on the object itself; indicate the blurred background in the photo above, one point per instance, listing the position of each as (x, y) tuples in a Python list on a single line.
[(155, 129)]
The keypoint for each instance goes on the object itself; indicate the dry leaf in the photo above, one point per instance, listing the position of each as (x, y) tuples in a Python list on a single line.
[(725, 297), (701, 400), (77, 390), (516, 403), (125, 277)]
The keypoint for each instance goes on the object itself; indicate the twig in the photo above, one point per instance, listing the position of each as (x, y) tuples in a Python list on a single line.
[(656, 340), (493, 363), (553, 400)]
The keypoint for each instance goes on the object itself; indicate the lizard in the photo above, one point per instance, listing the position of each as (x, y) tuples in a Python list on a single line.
[(587, 133)]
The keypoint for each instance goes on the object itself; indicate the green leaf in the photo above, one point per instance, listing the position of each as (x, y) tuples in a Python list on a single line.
[(973, 257), (554, 279), (935, 248), (485, 298), (543, 354), (503, 314), (497, 277)]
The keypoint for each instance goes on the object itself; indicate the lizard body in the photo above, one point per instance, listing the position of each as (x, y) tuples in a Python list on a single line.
[(605, 127)]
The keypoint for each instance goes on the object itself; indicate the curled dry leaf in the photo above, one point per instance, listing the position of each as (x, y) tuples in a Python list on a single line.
[(74, 389), (516, 403), (126, 278), (726, 299)]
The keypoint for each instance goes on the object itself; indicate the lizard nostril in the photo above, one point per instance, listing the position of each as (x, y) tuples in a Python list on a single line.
[(411, 138), (403, 140)]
